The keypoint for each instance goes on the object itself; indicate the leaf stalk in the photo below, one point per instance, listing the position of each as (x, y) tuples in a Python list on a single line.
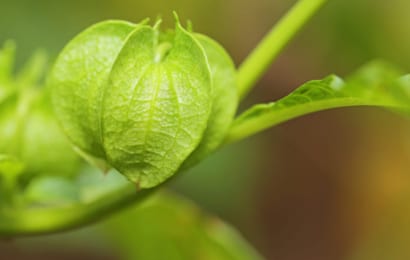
[(259, 60)]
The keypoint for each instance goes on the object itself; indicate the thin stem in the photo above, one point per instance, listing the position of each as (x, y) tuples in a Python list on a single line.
[(267, 120), (38, 221), (268, 49)]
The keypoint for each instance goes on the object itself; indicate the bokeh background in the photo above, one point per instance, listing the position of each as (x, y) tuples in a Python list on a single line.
[(332, 185)]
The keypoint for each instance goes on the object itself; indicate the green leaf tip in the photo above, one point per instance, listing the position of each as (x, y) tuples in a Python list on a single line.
[(176, 17), (141, 100), (146, 21), (158, 22), (7, 58), (189, 26)]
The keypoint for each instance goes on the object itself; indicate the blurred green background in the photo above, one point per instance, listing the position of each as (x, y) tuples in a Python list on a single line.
[(333, 185)]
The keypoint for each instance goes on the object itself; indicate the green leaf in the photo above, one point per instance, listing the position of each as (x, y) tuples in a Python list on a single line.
[(405, 80), (95, 186), (7, 56), (33, 70), (225, 99), (134, 98), (376, 84), (169, 227), (10, 167), (10, 170), (52, 191), (9, 126)]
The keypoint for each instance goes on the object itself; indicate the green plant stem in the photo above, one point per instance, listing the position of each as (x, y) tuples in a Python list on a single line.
[(8, 192), (36, 221), (256, 64), (240, 131)]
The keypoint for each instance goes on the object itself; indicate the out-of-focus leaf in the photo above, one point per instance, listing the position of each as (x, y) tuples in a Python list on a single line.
[(29, 132), (10, 169), (44, 146), (33, 70), (8, 126), (376, 84), (7, 56), (94, 185), (48, 191), (169, 227), (10, 165)]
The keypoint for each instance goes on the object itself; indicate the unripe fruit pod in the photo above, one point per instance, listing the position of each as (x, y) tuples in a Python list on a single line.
[(31, 142), (30, 134), (131, 97)]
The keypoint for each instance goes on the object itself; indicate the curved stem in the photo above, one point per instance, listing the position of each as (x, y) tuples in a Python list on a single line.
[(268, 49), (267, 118), (255, 125), (38, 221)]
